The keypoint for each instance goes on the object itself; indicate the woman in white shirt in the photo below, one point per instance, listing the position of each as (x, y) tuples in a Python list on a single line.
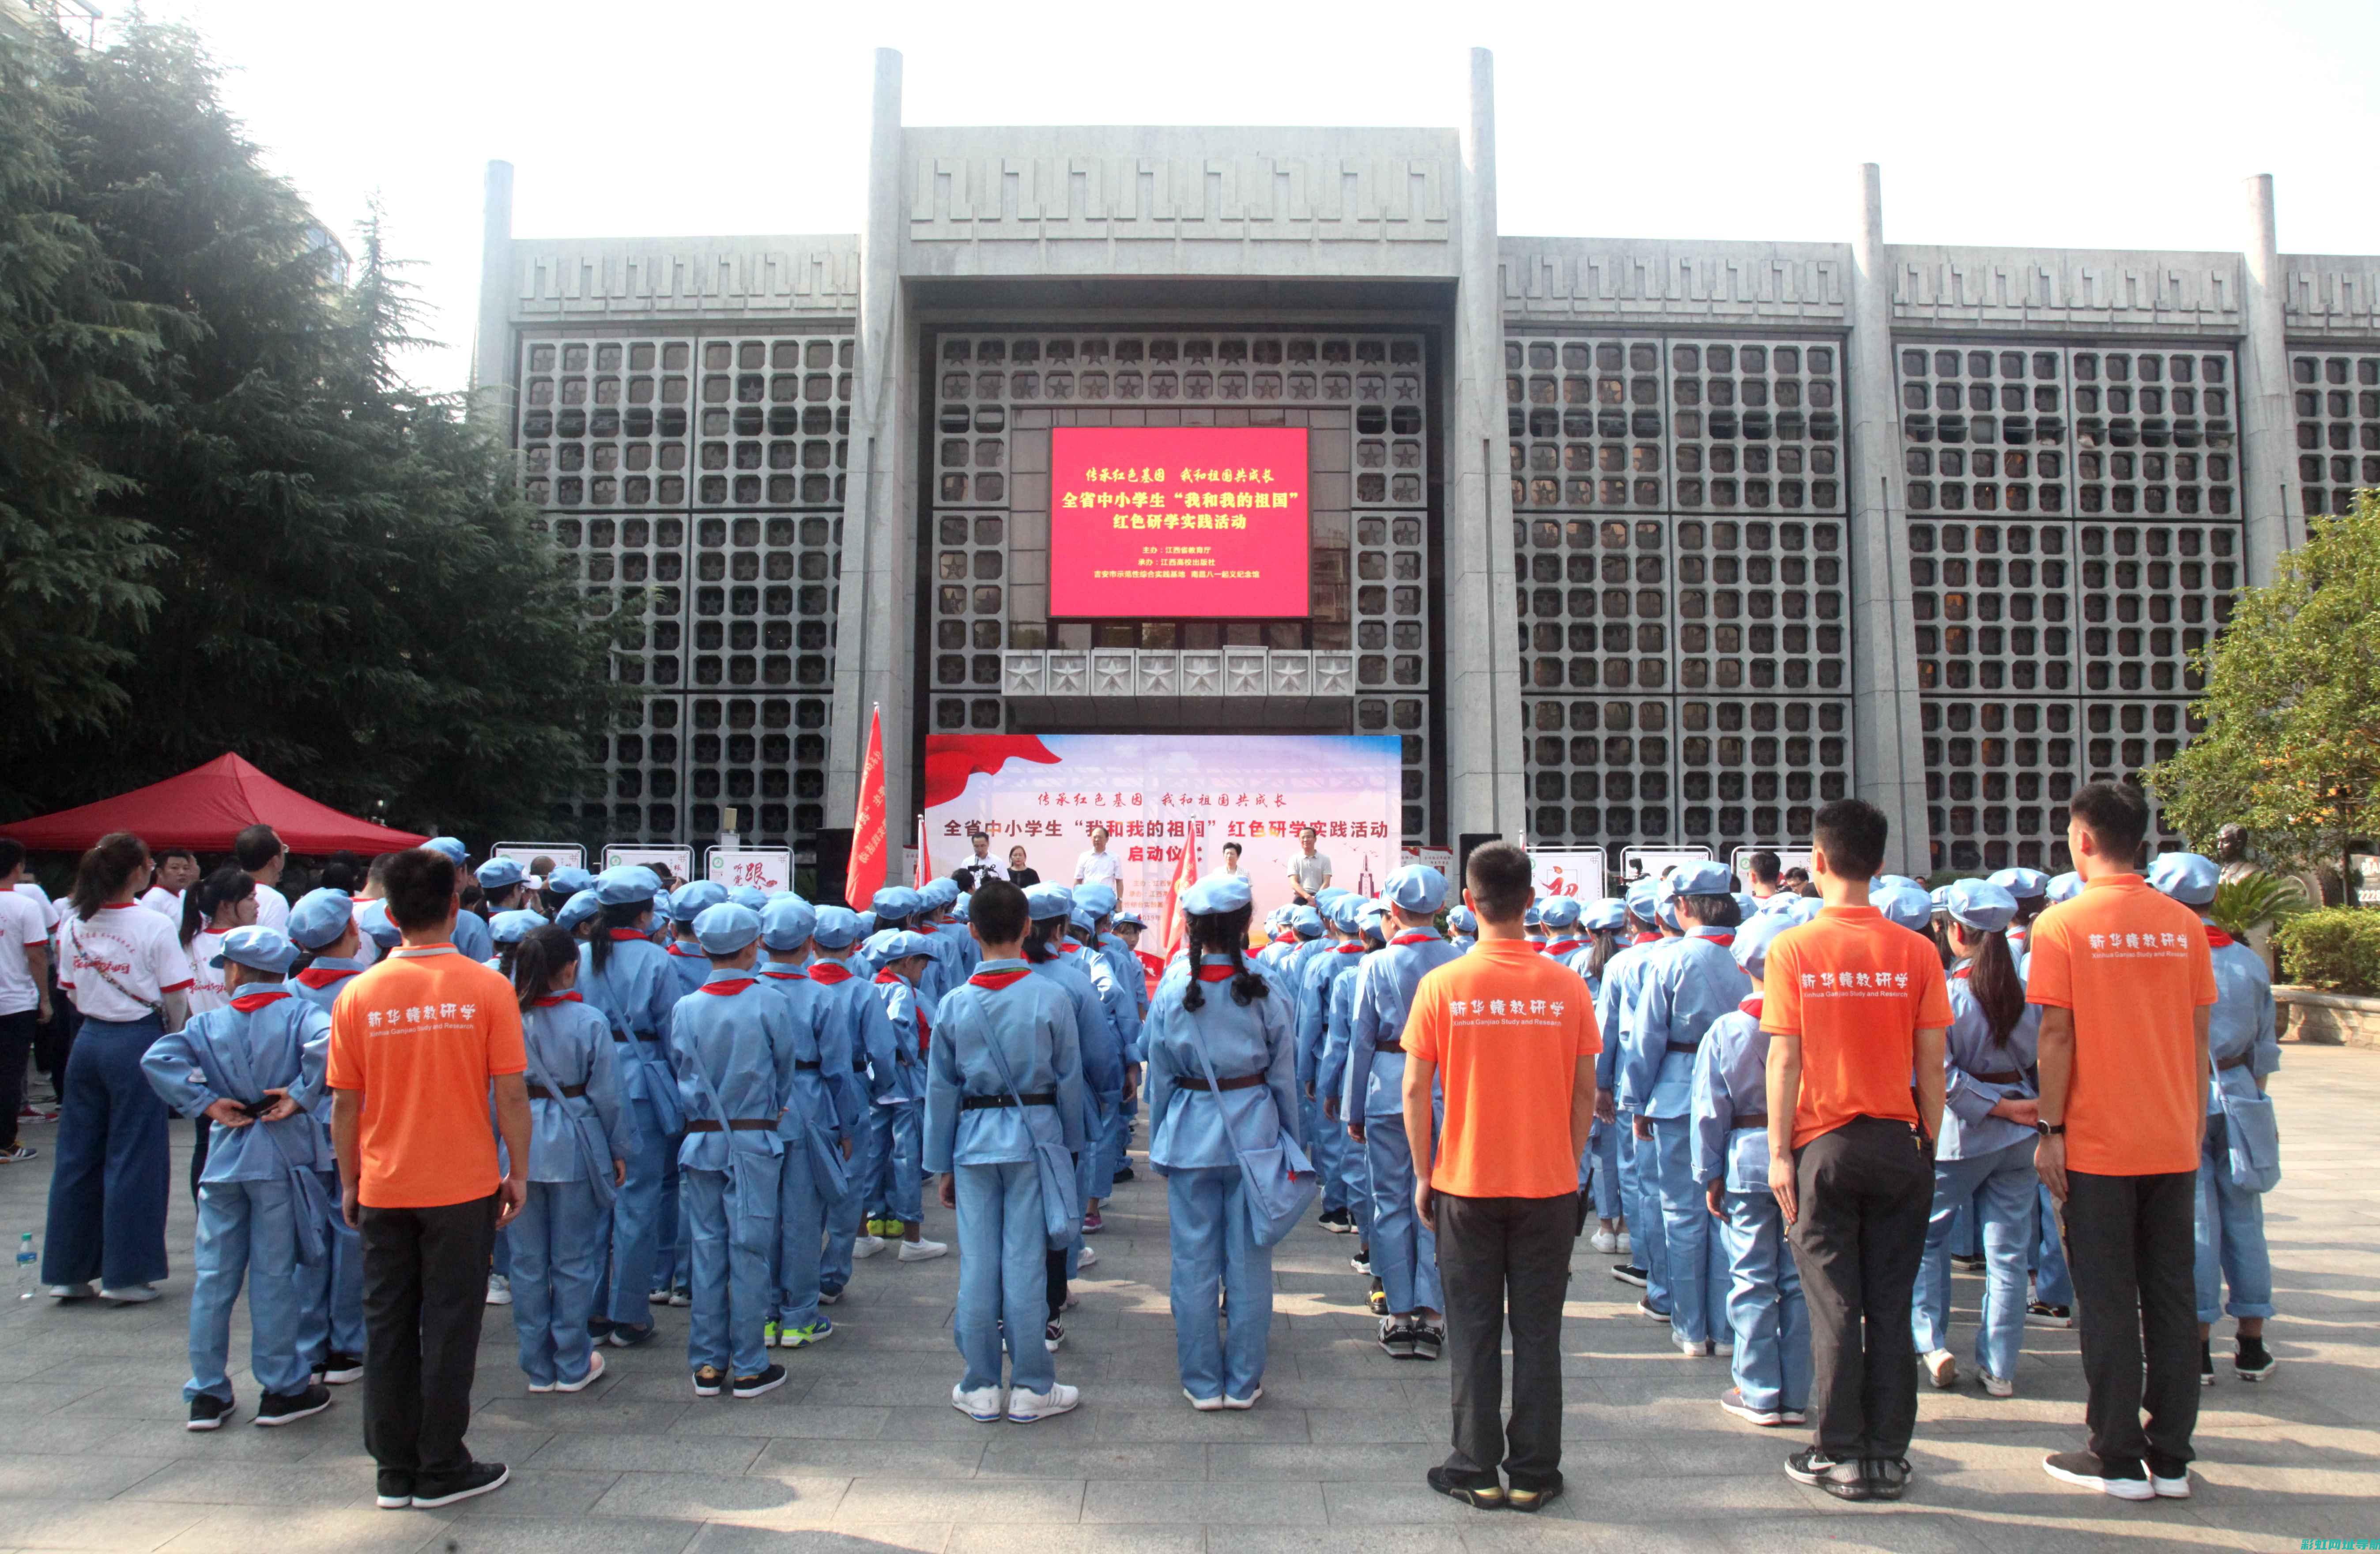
[(227, 899), (124, 971)]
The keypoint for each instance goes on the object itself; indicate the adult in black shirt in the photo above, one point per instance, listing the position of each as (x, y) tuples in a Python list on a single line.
[(1024, 878)]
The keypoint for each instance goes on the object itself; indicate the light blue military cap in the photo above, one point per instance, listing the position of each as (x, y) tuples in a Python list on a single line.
[(257, 948), (1132, 921), (724, 929), (1416, 888), (320, 918), (1342, 910), (893, 902), (2025, 884), (2063, 887), (751, 896), (1903, 904), (688, 903), (1081, 917), (1752, 940), (1215, 895), (1534, 916), (899, 944), (962, 908), (937, 895), (1304, 922), (1702, 878), (1045, 902), (1903, 881), (511, 927), (1746, 906), (1098, 898), (1371, 912), (578, 909), (1643, 898), (1603, 916), (569, 880), (1561, 913), (450, 846), (500, 874), (1979, 905), (787, 922), (627, 885), (866, 923), (373, 919), (2186, 877), (1464, 921), (836, 928), (1329, 893)]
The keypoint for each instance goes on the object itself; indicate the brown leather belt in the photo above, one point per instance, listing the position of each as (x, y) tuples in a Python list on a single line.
[(1685, 1046), (1753, 1119), (2242, 1061), (734, 1125), (987, 1103), (2001, 1076), (1238, 1082), (572, 1092), (1378, 1047)]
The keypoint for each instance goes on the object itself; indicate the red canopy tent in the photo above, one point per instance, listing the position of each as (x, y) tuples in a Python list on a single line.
[(203, 809)]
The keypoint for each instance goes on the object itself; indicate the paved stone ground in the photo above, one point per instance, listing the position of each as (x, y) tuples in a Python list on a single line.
[(862, 1449)]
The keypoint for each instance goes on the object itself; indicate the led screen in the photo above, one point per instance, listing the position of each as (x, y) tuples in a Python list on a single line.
[(1178, 523)]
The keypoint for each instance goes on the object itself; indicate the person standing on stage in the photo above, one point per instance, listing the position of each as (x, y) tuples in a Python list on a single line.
[(1021, 877), (980, 865), (1310, 870), (1098, 865)]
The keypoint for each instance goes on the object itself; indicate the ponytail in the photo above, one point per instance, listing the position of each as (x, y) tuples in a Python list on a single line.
[(211, 895), (1224, 933), (538, 959), (621, 916), (1601, 945), (105, 871), (1038, 937), (1991, 977)]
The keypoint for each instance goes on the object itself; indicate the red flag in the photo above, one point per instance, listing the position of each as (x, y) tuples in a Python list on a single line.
[(865, 875), (1185, 874), (925, 859)]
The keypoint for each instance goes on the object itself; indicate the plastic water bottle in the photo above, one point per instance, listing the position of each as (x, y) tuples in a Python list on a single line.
[(27, 1267)]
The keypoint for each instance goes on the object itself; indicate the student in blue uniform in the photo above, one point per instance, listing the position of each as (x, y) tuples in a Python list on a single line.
[(1332, 951), (1359, 920), (1560, 916), (580, 1137), (895, 907), (629, 980), (503, 887), (1600, 923), (2241, 1044), (1003, 1080), (1765, 1313), (816, 1129), (252, 1067), (560, 886), (1984, 1156), (749, 897), (471, 938), (1106, 1157), (582, 908), (897, 1029), (688, 902), (322, 927), (508, 929), (2030, 889), (946, 937), (1640, 1197), (735, 1046), (1052, 954), (1688, 982), (1462, 928), (1222, 1078), (842, 998)]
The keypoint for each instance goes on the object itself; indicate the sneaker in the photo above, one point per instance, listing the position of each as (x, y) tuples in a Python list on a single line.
[(1839, 1478), (1791, 1415), (769, 1331), (1429, 1339), (1532, 1497), (1996, 1386), (18, 1154), (1603, 1240), (429, 1494), (2206, 1362), (500, 1290), (594, 1371), (208, 1413), (340, 1367), (1482, 1493), (2126, 1481), (802, 1338), (982, 1406), (867, 1245), (829, 1297), (81, 1291), (659, 1296), (395, 1490), (1124, 1173), (682, 1295), (1026, 1408), (922, 1251), (622, 1336), (1732, 1401), (2255, 1362), (1941, 1368), (1362, 1261), (539, 1388), (1625, 1247), (1966, 1260), (875, 1227), (1090, 1258), (1887, 1477), (769, 1380), (1697, 1350), (2041, 1313), (130, 1294), (1338, 1221), (1204, 1406), (1093, 1223), (1250, 1401), (1052, 1335), (1644, 1309), (2169, 1478), (1629, 1273), (708, 1381), (287, 1408), (1397, 1337), (1378, 1299)]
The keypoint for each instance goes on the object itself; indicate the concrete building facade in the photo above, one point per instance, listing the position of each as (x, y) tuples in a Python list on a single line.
[(1630, 542)]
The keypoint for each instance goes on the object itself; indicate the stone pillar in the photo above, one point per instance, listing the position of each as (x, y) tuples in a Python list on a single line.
[(1484, 736), (2267, 420), (494, 373), (875, 621), (1887, 750)]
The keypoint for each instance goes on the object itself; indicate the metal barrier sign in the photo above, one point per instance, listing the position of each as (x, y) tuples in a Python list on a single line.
[(764, 868), (1570, 871), (679, 861), (1786, 858), (1636, 863)]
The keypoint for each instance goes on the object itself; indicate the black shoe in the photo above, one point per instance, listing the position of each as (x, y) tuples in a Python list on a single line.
[(2206, 1363), (768, 1380), (1397, 1337), (429, 1494), (2255, 1362), (208, 1412), (283, 1408), (1629, 1273), (2125, 1480), (1362, 1261), (395, 1490), (1836, 1477), (1533, 1496), (338, 1369), (708, 1381), (2041, 1313), (1482, 1493), (1964, 1261), (1124, 1175), (1429, 1338), (1887, 1477)]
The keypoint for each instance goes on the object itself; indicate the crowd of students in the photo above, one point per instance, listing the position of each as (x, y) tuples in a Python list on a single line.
[(1803, 1108)]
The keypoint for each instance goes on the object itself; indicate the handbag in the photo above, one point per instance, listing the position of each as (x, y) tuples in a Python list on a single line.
[(1053, 1166), (1280, 1181), (2253, 1134)]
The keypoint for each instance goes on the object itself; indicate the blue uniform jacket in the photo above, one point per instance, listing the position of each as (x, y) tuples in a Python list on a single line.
[(1969, 1053), (1623, 981), (637, 992), (472, 938), (1314, 980), (1338, 1030), (734, 1046), (1380, 1001), (2240, 1024), (687, 962), (1187, 1128), (1115, 997), (277, 1042), (896, 1068), (1099, 1045), (574, 1139), (1130, 977), (812, 1102), (1731, 1081), (1031, 1021), (1687, 983), (841, 995), (321, 983)]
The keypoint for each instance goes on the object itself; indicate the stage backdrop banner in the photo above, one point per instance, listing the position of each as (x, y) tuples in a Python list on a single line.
[(1046, 793), (1178, 522)]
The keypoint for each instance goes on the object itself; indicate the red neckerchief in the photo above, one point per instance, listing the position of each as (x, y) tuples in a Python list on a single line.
[(1356, 948), (1417, 935), (795, 975), (1960, 975), (1722, 938), (249, 1003), (1750, 1005), (1214, 974), (320, 976), (622, 936), (1068, 947), (1646, 939), (547, 1000), (1286, 938), (672, 948), (830, 973), (884, 978), (1563, 947), (733, 985), (2216, 939), (995, 980)]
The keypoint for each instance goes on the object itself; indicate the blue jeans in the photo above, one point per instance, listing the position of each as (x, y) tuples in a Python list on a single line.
[(1603, 1170), (1404, 1250), (1639, 1195), (2231, 1235), (641, 1223), (1765, 1309), (1214, 1249), (560, 1239), (2002, 1186), (896, 1144), (2052, 1285), (735, 1243), (114, 1171), (332, 1321), (1328, 1142), (1003, 1277), (247, 1228), (1693, 1260)]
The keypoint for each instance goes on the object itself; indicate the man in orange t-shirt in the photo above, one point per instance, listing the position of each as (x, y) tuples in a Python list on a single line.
[(417, 1043), (1854, 1006), (2124, 980), (1512, 1035)]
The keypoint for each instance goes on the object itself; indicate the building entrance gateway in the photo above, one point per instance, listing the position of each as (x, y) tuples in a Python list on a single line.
[(1787, 521)]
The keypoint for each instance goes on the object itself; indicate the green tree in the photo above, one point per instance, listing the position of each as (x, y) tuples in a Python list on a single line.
[(2292, 748)]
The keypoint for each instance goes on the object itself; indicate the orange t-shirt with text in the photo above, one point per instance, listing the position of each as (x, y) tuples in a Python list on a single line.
[(421, 1034), (1506, 1027), (2134, 967), (1856, 988)]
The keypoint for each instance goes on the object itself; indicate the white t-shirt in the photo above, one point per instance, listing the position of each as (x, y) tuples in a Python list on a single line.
[(138, 948), (1094, 864), (20, 927), (208, 988), (41, 898), (271, 909), (164, 902)]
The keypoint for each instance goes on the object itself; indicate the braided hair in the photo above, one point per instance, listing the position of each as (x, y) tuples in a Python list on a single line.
[(1224, 933)]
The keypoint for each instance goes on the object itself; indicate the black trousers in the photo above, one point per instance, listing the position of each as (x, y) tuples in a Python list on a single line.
[(1865, 1191), (1500, 1260), (2130, 1242), (425, 1290), (15, 1040)]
